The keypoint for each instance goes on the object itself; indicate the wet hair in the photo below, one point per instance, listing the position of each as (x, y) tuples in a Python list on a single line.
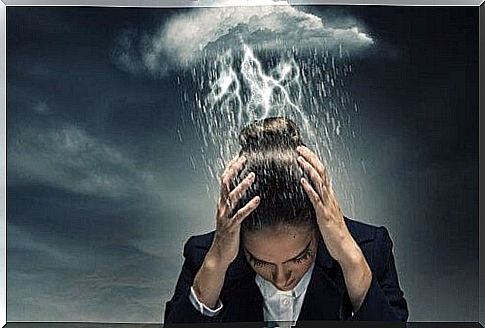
[(270, 148)]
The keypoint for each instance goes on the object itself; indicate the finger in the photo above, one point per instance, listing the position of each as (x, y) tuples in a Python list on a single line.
[(312, 158), (246, 210), (312, 194), (229, 173), (228, 165), (236, 194), (333, 197), (234, 168), (317, 180)]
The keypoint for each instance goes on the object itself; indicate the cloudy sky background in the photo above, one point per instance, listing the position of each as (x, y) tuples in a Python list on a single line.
[(101, 191)]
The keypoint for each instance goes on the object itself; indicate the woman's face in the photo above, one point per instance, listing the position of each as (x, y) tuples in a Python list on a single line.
[(281, 255)]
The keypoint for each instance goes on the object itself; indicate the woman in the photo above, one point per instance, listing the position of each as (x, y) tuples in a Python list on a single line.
[(282, 249)]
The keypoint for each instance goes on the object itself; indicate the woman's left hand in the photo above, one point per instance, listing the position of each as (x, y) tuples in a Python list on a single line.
[(330, 219)]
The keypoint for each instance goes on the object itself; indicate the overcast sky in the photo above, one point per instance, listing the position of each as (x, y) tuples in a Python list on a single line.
[(101, 191)]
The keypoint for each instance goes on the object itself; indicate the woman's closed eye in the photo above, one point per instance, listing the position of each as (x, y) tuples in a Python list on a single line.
[(260, 263), (301, 259), (304, 257)]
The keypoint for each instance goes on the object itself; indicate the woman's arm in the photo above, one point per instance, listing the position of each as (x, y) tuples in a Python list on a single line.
[(372, 298), (207, 278), (384, 299), (180, 309), (356, 271)]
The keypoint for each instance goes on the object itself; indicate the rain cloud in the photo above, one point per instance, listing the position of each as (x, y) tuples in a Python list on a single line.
[(188, 38)]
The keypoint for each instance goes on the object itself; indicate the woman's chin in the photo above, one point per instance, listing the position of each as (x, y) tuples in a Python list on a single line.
[(287, 287)]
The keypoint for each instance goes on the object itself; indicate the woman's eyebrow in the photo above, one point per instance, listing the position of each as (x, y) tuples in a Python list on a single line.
[(293, 258)]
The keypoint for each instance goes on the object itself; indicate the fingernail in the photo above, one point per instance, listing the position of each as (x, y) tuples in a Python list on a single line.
[(243, 158), (251, 175), (303, 180)]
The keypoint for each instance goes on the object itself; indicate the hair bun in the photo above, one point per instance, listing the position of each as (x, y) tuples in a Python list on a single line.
[(270, 133)]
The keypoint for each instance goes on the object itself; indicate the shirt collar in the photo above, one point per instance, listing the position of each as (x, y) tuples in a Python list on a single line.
[(269, 290)]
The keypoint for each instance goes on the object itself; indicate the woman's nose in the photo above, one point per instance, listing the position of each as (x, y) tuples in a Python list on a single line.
[(281, 276)]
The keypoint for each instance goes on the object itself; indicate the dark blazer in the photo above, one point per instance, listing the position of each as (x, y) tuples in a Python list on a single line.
[(326, 297)]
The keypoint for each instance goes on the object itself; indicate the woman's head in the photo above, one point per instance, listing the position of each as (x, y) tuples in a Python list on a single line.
[(279, 236), (270, 148)]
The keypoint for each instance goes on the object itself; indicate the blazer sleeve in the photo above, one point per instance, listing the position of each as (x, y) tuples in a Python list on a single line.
[(179, 309), (384, 300)]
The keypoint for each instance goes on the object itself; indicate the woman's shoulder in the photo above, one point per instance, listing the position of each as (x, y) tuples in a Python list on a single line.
[(200, 242), (362, 231), (374, 241)]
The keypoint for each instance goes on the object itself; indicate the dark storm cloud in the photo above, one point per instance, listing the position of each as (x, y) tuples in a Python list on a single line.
[(187, 38)]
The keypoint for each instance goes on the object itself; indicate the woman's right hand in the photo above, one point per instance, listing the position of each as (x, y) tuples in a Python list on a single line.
[(225, 245)]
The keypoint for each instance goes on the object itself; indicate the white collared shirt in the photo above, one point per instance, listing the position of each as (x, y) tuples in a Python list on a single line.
[(281, 308)]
